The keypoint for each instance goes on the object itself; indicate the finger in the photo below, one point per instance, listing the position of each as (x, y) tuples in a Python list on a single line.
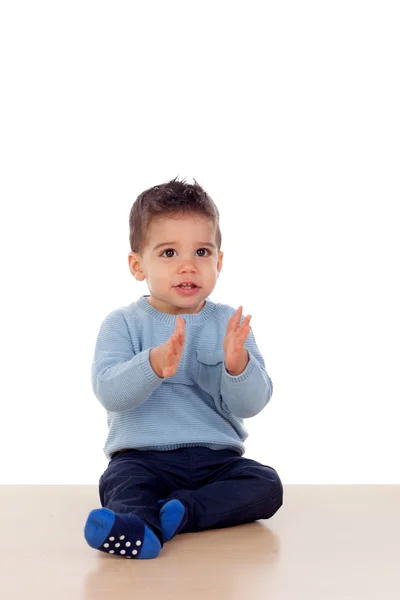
[(180, 327), (229, 326), (168, 363), (177, 344), (234, 321), (242, 326), (172, 346), (244, 323), (238, 316), (180, 324), (242, 337), (179, 341), (170, 354), (243, 331)]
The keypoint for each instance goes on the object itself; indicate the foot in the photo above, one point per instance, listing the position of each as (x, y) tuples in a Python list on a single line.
[(173, 517), (121, 534)]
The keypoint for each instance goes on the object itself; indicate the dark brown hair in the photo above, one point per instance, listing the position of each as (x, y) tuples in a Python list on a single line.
[(169, 199)]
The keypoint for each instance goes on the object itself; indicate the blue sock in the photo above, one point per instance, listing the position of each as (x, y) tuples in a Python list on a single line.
[(121, 534), (173, 516)]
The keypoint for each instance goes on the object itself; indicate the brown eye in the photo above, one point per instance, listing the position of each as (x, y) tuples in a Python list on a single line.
[(202, 250), (168, 250)]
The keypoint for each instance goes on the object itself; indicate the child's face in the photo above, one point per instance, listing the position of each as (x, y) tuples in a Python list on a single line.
[(185, 251)]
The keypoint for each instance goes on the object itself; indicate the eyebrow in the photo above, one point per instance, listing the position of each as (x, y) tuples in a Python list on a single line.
[(199, 244)]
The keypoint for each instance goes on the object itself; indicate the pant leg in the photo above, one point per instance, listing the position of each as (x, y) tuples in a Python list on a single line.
[(132, 484), (236, 490)]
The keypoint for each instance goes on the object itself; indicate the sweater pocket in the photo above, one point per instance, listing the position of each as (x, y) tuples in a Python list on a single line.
[(210, 371)]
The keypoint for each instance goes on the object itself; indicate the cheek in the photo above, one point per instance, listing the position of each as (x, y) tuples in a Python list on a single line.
[(214, 268), (161, 274)]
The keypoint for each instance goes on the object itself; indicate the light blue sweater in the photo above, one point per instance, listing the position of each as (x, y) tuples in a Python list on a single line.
[(201, 405)]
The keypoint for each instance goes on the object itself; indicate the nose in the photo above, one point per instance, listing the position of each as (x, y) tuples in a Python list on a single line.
[(187, 266)]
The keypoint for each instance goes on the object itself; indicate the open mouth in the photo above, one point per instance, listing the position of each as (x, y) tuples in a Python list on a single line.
[(187, 289)]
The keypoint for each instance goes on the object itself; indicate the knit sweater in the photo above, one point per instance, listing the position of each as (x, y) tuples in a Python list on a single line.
[(201, 405)]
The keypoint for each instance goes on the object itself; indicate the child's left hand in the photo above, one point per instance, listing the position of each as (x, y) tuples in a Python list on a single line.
[(236, 355)]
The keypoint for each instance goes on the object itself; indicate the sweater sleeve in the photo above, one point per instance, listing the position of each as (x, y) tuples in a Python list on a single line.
[(121, 379), (247, 394)]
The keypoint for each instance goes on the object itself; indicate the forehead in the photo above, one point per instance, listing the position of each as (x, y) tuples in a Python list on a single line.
[(182, 228)]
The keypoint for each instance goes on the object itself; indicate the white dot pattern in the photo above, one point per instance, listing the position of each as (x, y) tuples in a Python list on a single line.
[(117, 546)]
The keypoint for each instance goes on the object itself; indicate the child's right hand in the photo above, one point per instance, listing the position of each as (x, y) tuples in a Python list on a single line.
[(165, 359)]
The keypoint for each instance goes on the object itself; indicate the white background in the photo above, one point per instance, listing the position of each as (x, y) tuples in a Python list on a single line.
[(288, 114)]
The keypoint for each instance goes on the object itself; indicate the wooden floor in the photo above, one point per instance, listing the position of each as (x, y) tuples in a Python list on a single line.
[(326, 542)]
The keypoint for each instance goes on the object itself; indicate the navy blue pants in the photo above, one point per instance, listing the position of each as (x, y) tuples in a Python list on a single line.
[(219, 488)]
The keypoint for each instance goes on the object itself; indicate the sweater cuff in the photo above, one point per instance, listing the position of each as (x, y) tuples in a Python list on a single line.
[(147, 368), (243, 376)]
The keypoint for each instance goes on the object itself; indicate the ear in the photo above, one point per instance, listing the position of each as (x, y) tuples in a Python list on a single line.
[(135, 266), (220, 260)]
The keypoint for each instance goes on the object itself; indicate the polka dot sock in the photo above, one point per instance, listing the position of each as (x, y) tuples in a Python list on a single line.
[(121, 534), (173, 517)]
